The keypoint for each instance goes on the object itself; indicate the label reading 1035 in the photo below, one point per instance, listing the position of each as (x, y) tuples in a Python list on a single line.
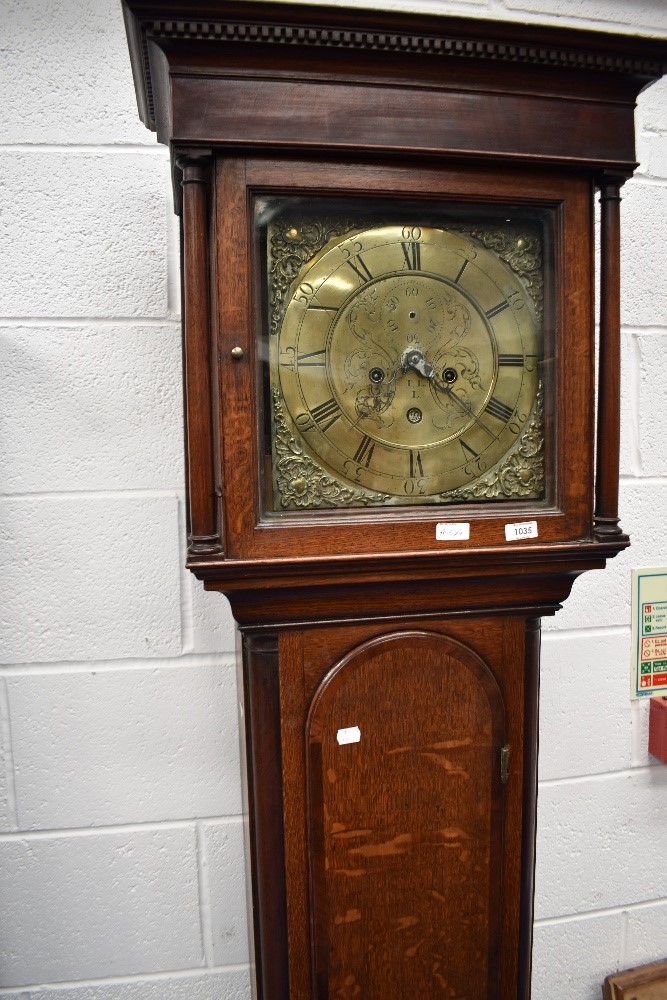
[(522, 529)]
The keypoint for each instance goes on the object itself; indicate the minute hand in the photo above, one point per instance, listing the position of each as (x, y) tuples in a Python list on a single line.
[(415, 359), (466, 407)]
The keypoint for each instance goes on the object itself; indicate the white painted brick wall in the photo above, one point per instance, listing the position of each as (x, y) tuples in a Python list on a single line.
[(65, 76), (232, 984), (112, 903), (646, 925), (575, 741), (150, 743), (89, 577), (644, 214), (85, 233), (600, 821), (121, 426), (121, 874), (223, 865), (574, 956)]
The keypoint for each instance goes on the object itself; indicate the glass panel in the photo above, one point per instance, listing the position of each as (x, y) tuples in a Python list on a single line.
[(402, 350)]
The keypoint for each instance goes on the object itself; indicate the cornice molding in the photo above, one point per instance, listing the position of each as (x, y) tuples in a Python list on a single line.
[(434, 37), (417, 44)]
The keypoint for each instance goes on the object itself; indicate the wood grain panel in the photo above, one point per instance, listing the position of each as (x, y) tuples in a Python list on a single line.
[(326, 116), (406, 824), (646, 982), (203, 534), (263, 794), (567, 516)]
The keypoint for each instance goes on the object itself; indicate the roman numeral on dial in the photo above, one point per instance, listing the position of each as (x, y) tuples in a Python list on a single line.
[(501, 411), (468, 452), (327, 413), (511, 360), (416, 467), (461, 271), (361, 271), (364, 452), (413, 255), (313, 359), (490, 313)]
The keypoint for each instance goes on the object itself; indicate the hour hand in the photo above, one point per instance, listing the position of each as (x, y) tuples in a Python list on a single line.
[(414, 359)]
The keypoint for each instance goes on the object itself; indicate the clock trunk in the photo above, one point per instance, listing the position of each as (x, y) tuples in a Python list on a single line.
[(401, 804)]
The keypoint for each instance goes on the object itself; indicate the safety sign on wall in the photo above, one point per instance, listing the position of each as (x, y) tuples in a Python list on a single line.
[(649, 632)]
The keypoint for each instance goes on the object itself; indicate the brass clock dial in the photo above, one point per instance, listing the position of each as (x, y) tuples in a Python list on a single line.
[(405, 366)]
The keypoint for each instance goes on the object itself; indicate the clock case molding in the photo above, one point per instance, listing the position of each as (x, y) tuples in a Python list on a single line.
[(386, 104), (264, 97)]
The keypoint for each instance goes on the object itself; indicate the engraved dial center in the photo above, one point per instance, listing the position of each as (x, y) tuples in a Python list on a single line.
[(406, 361), (410, 326)]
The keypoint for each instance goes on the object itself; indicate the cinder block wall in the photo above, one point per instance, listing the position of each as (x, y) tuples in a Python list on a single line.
[(121, 870)]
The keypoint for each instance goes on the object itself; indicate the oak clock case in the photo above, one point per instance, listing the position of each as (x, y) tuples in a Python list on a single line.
[(389, 327), (348, 406), (403, 359)]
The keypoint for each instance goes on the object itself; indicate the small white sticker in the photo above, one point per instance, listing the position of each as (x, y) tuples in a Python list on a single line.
[(454, 531), (350, 735), (523, 529)]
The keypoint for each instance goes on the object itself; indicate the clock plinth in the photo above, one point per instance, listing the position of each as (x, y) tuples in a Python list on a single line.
[(396, 460)]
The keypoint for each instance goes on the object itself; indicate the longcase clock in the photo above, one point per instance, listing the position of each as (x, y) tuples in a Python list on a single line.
[(400, 454)]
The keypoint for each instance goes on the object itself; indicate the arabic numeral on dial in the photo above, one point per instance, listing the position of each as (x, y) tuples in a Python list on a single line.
[(414, 487), (304, 422), (287, 358), (516, 300), (352, 471), (411, 233), (304, 293), (516, 425), (475, 469), (475, 464), (357, 247)]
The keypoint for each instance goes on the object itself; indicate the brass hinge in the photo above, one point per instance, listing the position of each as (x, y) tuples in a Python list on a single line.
[(504, 763)]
